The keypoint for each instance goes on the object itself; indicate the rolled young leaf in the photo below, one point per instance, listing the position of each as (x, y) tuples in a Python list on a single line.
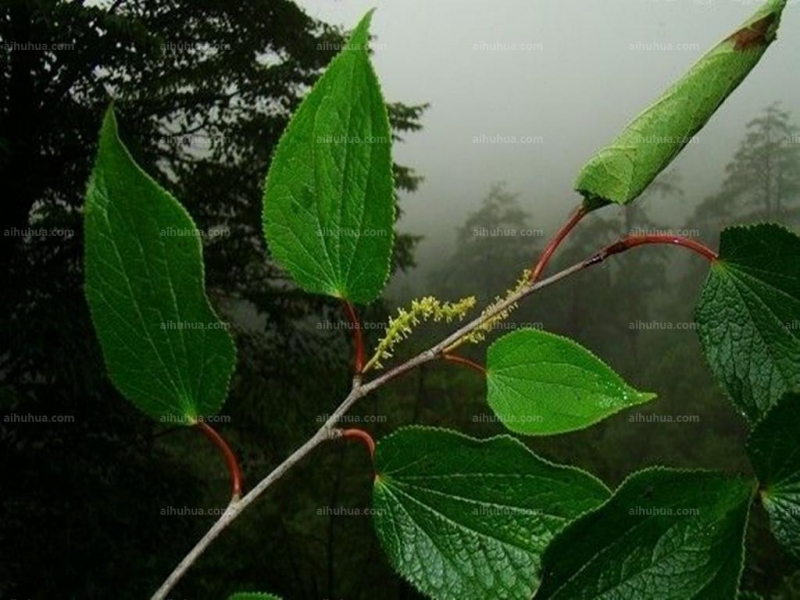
[(621, 171), (665, 534), (748, 316), (539, 383), (164, 346), (774, 449), (468, 519), (329, 197)]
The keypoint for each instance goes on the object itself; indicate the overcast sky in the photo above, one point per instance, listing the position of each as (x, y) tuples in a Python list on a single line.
[(564, 76)]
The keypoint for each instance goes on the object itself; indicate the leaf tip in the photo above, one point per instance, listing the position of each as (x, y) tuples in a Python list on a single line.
[(646, 396), (109, 128), (360, 35)]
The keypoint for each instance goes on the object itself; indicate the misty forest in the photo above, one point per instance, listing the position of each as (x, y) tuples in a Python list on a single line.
[(335, 192)]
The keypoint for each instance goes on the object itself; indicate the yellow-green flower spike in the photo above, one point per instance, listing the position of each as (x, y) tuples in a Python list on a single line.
[(479, 333), (424, 309)]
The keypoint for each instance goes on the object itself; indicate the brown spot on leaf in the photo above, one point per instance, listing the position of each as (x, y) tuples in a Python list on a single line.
[(754, 35)]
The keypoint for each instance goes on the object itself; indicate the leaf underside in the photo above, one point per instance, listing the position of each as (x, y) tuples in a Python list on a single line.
[(621, 171)]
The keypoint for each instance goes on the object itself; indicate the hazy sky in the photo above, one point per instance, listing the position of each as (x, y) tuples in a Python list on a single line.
[(564, 76)]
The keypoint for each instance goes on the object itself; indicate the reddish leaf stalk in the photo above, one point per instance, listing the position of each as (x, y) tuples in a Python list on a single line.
[(358, 338), (230, 458), (562, 233), (466, 362), (360, 434), (640, 240)]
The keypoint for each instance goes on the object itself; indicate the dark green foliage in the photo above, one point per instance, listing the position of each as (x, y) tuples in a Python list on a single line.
[(466, 518), (664, 534), (773, 449), (747, 316)]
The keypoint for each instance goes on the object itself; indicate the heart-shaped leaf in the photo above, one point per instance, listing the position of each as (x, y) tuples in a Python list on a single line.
[(465, 519), (664, 534), (774, 449), (748, 316), (164, 346), (329, 197), (540, 383)]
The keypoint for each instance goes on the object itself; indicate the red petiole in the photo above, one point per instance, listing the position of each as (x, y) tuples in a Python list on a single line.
[(230, 458), (466, 362), (358, 338), (562, 233), (640, 240), (360, 434)]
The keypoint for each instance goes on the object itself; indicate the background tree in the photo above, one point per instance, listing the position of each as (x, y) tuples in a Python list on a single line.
[(635, 284), (645, 274), (764, 175), (493, 246), (762, 182)]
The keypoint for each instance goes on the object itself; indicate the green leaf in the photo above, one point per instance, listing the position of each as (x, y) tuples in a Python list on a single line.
[(621, 171), (748, 316), (540, 384), (329, 197), (464, 519), (665, 535), (252, 596), (165, 349), (774, 449)]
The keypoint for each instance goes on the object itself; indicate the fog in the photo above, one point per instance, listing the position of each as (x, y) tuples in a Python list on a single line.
[(564, 78)]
